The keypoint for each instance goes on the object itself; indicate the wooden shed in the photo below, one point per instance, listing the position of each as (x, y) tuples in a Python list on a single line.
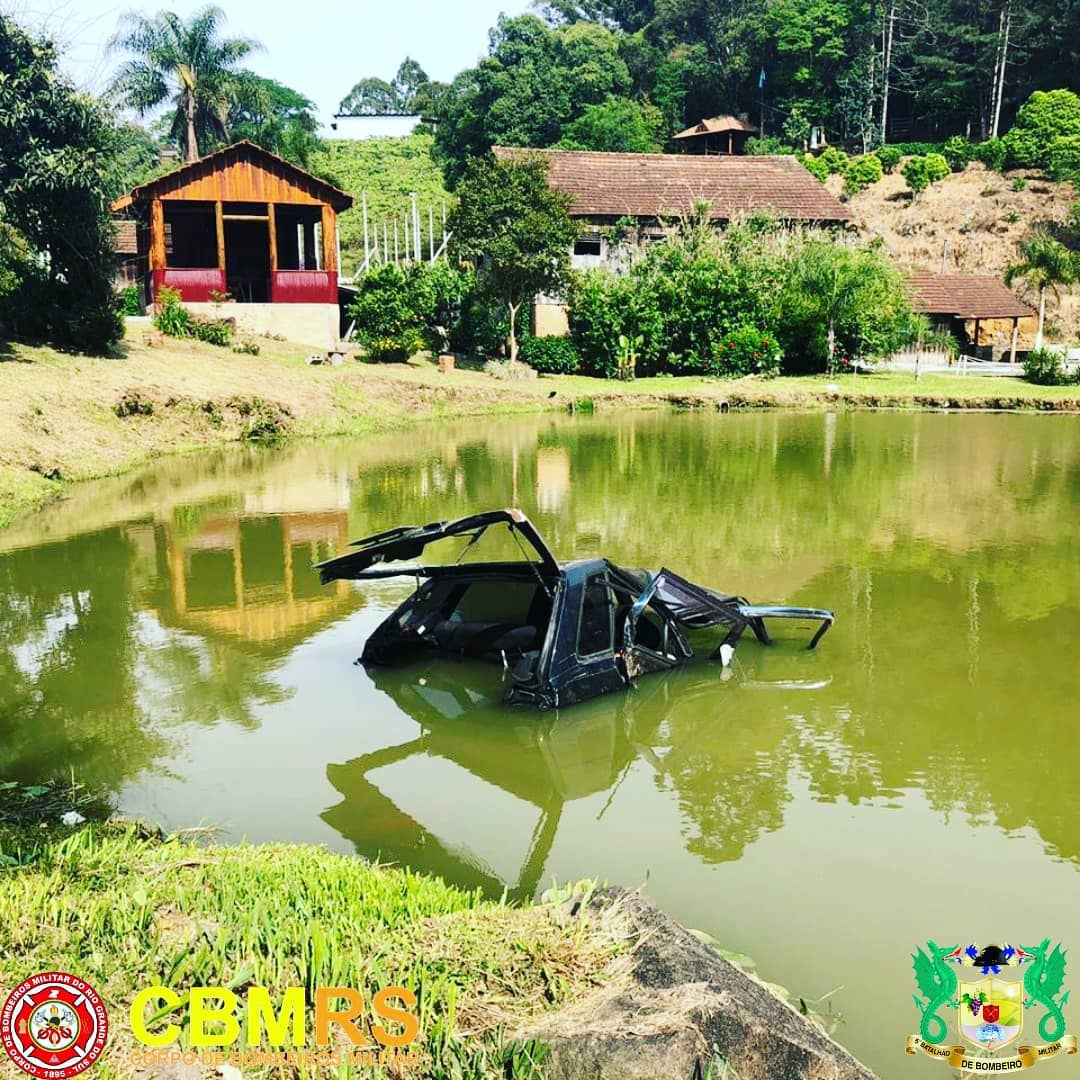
[(977, 309), (716, 135), (242, 222)]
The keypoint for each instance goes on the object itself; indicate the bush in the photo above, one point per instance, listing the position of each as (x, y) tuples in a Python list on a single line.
[(213, 331), (957, 151), (1045, 116), (747, 351), (131, 300), (551, 355), (400, 310), (993, 153), (769, 144), (836, 161), (1018, 183), (1044, 368), (815, 166), (1063, 158), (937, 168), (171, 317), (861, 173), (917, 149), (917, 175), (889, 156)]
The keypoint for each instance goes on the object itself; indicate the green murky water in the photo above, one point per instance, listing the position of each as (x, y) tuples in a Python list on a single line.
[(164, 636)]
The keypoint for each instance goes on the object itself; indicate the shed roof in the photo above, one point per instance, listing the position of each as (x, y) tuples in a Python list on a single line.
[(239, 155), (661, 185), (965, 296), (717, 125)]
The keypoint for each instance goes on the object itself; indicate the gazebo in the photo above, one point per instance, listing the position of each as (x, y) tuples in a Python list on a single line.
[(717, 135), (955, 300), (244, 224)]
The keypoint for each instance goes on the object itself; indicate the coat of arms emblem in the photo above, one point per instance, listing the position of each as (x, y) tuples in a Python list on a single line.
[(991, 988)]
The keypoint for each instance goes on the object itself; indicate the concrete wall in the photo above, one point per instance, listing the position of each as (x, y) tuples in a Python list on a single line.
[(550, 318), (317, 325)]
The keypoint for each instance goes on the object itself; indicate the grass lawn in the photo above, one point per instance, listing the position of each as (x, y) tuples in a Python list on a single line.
[(126, 911), (67, 418)]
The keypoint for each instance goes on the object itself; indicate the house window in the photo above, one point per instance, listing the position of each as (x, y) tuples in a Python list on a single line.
[(589, 245), (594, 631)]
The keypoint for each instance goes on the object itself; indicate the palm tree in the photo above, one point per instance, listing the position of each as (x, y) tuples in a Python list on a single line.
[(1046, 264), (188, 64)]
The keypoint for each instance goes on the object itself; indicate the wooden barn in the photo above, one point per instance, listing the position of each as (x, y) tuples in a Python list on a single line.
[(244, 223)]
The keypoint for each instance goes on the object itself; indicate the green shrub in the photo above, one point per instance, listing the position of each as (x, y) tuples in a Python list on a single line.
[(937, 168), (836, 161), (889, 156), (550, 355), (213, 331), (247, 347), (917, 175), (1063, 158), (919, 149), (1018, 183), (993, 153), (862, 171), (400, 310), (171, 317), (747, 351), (131, 300), (957, 151), (768, 144), (1045, 116), (1044, 368), (815, 166)]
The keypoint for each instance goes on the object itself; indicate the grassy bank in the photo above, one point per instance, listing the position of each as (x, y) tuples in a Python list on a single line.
[(69, 418), (125, 911)]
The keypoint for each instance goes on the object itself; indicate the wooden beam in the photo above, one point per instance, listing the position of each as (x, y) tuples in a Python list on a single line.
[(219, 224), (157, 235), (1012, 346), (245, 217), (271, 224), (329, 234)]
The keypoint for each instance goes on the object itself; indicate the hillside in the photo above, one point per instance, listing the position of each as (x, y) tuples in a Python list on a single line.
[(388, 170), (970, 223)]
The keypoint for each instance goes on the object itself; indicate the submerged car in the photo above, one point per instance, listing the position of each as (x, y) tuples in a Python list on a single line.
[(565, 631)]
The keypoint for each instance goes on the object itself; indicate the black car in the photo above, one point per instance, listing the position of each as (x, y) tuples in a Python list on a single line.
[(566, 631)]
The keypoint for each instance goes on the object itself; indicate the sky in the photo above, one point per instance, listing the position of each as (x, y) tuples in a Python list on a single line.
[(319, 49)]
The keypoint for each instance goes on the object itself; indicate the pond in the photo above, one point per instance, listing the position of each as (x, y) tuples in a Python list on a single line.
[(164, 637)]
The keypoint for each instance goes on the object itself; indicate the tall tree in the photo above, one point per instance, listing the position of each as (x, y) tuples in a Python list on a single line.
[(276, 117), (57, 169), (515, 228), (187, 63), (1044, 265), (533, 82)]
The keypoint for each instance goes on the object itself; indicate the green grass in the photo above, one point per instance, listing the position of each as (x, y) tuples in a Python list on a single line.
[(126, 911), (388, 170)]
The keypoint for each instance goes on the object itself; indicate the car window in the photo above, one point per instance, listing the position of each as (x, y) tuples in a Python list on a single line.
[(594, 631)]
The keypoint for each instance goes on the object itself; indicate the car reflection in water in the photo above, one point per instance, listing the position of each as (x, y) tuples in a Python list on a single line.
[(478, 795)]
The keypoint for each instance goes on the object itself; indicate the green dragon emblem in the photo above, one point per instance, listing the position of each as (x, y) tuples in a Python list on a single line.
[(937, 982), (1042, 984)]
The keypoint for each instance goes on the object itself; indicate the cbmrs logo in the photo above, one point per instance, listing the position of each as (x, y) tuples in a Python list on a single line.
[(211, 1014), (54, 1026)]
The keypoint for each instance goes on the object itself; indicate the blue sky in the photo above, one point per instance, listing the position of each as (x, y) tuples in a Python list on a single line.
[(320, 49)]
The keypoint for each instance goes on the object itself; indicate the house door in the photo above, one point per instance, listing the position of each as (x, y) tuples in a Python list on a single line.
[(247, 261)]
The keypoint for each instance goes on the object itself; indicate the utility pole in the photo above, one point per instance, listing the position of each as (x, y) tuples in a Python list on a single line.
[(418, 249), (367, 242), (886, 67), (999, 88)]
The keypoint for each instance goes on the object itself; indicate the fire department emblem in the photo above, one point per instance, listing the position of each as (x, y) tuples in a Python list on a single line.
[(54, 1025), (990, 1011)]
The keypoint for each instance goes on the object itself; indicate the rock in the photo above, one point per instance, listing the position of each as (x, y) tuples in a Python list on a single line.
[(678, 1008)]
